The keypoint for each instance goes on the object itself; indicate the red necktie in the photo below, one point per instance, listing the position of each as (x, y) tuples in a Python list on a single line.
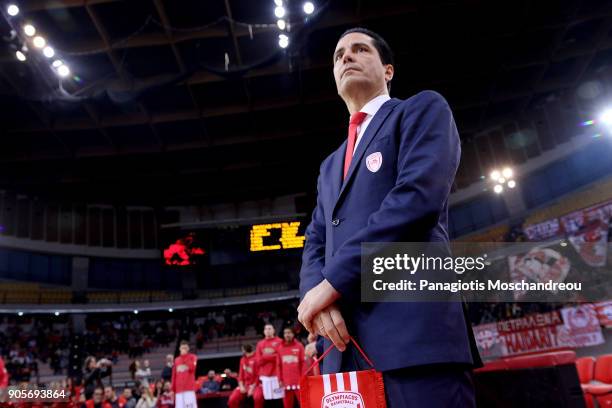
[(356, 120)]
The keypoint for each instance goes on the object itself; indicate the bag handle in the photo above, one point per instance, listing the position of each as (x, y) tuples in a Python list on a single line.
[(329, 349)]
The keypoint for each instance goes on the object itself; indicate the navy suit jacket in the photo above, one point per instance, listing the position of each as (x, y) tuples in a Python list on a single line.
[(404, 201)]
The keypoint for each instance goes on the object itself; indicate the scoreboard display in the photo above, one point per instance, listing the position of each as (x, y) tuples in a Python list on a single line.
[(263, 237), (231, 244)]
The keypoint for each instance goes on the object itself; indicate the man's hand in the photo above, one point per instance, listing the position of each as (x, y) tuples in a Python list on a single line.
[(330, 324), (315, 300)]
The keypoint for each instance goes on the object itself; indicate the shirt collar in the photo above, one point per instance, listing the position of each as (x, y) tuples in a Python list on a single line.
[(374, 105)]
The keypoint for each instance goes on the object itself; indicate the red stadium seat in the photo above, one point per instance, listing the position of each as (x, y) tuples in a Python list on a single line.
[(603, 369), (585, 367), (602, 388)]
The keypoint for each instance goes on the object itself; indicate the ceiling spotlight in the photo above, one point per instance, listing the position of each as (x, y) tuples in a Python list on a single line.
[(171, 310), (507, 172), (57, 313), (29, 30), (281, 24), (495, 175), (279, 3), (135, 311), (20, 56), (39, 42), (606, 116), (12, 10), (64, 71), (279, 12), (501, 180), (308, 7), (20, 314), (498, 189), (57, 63), (511, 184), (49, 52), (283, 41)]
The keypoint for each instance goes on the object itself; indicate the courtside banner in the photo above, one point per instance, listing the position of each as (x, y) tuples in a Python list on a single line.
[(354, 389)]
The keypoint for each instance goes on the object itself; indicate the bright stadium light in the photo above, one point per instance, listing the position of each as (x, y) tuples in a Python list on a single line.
[(135, 311), (308, 7), (281, 24), (20, 56), (57, 63), (283, 41), (63, 71), (48, 52), (57, 313), (511, 184), (20, 314), (29, 30), (498, 189), (171, 310), (507, 172), (12, 10), (279, 3), (495, 175), (39, 42), (606, 117), (279, 12), (501, 180)]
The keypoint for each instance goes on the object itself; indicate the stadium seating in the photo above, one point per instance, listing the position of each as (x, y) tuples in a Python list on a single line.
[(601, 386)]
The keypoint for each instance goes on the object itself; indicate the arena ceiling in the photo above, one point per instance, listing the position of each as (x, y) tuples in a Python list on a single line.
[(180, 102)]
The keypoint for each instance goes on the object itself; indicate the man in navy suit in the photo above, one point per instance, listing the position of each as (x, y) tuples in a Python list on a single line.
[(388, 182)]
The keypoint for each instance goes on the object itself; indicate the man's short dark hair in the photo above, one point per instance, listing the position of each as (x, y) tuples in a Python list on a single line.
[(386, 55), (248, 348), (184, 343)]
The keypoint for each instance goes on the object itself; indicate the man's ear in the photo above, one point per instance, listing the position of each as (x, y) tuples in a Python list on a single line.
[(389, 71)]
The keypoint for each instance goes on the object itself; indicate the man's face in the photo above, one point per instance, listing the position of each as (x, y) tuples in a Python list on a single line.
[(288, 335), (167, 386), (97, 396), (108, 393), (184, 349), (211, 375), (127, 393), (227, 372), (269, 330), (357, 65)]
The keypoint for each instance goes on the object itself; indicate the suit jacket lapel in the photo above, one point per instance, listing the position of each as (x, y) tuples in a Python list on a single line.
[(367, 137), (336, 171)]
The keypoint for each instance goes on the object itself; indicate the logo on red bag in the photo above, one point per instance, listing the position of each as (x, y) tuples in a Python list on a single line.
[(343, 399)]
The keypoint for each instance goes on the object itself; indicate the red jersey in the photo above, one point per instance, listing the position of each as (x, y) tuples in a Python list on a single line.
[(292, 362), (4, 376), (183, 373), (268, 359), (165, 400), (248, 370)]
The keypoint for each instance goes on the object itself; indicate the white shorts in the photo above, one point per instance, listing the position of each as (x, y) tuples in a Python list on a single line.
[(271, 388), (185, 399)]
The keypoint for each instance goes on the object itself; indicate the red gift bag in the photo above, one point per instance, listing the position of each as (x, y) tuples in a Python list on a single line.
[(355, 389)]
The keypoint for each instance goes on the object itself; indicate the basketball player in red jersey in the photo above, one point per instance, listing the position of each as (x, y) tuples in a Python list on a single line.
[(268, 364), (291, 353), (183, 378), (247, 380)]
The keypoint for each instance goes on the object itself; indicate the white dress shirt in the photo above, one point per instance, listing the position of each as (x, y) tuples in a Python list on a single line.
[(370, 108)]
